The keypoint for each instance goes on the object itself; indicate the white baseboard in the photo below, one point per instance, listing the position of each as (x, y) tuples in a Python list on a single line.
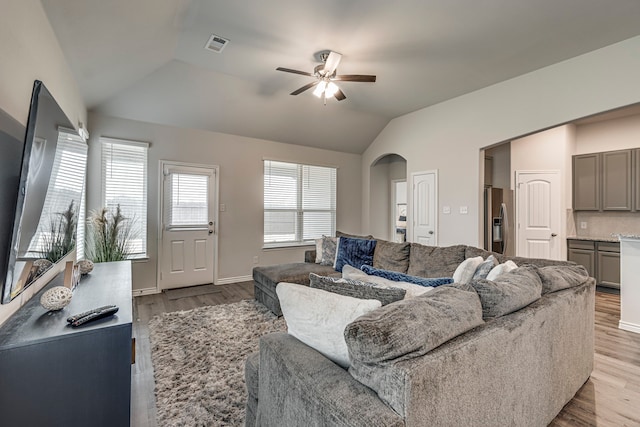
[(631, 327), (145, 291), (229, 280)]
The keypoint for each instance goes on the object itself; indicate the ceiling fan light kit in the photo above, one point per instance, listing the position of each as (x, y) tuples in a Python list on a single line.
[(326, 74)]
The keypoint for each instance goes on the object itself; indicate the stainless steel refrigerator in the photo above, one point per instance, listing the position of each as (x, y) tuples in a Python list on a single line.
[(497, 209)]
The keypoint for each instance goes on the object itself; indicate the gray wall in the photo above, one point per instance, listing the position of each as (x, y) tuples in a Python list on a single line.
[(241, 188)]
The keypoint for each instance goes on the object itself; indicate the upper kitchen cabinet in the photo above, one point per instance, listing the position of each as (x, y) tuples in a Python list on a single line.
[(586, 182), (616, 180), (606, 181)]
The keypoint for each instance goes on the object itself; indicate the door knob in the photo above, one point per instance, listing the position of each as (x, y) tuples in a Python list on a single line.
[(553, 234), (210, 231), (430, 231)]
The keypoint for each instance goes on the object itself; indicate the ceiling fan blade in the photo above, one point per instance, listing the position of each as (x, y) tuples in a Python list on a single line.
[(305, 87), (340, 95), (332, 63), (289, 70), (355, 78)]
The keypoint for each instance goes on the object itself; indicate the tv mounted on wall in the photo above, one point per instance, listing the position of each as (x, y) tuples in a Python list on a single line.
[(49, 195)]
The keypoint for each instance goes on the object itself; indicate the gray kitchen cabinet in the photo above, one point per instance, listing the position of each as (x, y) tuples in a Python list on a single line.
[(54, 375), (601, 259), (583, 252), (608, 264), (636, 180), (586, 182), (616, 180)]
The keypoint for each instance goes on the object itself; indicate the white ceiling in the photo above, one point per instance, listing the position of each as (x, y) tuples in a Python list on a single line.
[(144, 59)]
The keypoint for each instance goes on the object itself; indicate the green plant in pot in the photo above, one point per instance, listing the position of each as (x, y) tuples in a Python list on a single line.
[(109, 235)]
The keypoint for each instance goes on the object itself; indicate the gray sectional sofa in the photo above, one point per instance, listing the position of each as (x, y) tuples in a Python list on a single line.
[(511, 352)]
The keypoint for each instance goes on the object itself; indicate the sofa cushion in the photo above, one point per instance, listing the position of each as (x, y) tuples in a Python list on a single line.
[(392, 256), (509, 292), (538, 262), (400, 277), (556, 278), (412, 290), (318, 318), (435, 261), (357, 289), (412, 327), (297, 272), (472, 252), (465, 270), (499, 269), (355, 252), (485, 267), (354, 236)]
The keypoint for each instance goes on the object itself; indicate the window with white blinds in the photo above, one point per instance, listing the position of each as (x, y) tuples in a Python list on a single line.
[(64, 193), (124, 183), (299, 203), (188, 200)]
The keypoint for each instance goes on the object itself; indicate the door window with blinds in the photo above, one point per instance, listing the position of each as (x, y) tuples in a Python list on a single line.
[(62, 205), (124, 183), (187, 199), (299, 203)]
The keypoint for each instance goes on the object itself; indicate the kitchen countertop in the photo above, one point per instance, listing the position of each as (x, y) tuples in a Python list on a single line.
[(609, 238), (628, 236)]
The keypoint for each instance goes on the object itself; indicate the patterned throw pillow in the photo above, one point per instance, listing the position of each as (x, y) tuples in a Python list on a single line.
[(400, 277), (355, 252), (483, 269), (328, 253), (356, 289)]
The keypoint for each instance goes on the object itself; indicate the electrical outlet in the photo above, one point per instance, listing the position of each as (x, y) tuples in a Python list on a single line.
[(256, 259), (223, 207), (583, 225)]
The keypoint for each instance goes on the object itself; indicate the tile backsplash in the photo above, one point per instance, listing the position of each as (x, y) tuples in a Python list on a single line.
[(602, 224)]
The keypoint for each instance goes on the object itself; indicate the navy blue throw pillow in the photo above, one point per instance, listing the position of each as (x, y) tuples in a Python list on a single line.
[(401, 277), (355, 252)]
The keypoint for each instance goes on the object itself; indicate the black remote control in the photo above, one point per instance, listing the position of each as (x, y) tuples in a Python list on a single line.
[(75, 317), (94, 316)]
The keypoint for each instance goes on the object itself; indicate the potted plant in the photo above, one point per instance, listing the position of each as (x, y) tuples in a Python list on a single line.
[(109, 235)]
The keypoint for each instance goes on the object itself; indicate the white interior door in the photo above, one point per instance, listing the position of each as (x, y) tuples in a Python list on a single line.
[(538, 214), (189, 225), (424, 228)]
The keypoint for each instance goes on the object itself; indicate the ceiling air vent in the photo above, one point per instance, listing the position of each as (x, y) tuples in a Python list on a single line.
[(216, 43)]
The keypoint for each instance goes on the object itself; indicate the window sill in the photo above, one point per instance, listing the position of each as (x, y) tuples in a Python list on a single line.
[(280, 246)]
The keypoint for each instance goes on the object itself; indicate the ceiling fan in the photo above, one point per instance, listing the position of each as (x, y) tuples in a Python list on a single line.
[(325, 75)]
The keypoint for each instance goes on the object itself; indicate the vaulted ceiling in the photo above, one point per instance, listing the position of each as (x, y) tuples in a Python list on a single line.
[(145, 59)]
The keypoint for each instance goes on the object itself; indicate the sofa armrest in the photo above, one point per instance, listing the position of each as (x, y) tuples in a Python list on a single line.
[(310, 256), (299, 386)]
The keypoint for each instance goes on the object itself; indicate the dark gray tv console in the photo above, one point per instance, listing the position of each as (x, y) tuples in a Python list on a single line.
[(55, 375)]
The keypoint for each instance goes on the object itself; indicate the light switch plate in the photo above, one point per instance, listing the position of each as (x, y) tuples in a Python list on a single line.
[(583, 225), (446, 209), (223, 207), (464, 210)]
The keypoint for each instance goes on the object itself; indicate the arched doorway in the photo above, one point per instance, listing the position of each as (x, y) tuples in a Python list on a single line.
[(388, 197)]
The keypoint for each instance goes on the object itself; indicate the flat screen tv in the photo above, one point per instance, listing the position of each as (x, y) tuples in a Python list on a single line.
[(48, 195)]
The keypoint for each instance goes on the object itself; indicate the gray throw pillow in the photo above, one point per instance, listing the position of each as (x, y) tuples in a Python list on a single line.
[(329, 245), (556, 278), (356, 289), (509, 292), (412, 327), (391, 256)]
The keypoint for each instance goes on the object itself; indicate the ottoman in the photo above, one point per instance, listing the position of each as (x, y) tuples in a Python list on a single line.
[(266, 279)]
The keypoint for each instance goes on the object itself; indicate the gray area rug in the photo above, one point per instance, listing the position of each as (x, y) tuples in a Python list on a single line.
[(198, 359)]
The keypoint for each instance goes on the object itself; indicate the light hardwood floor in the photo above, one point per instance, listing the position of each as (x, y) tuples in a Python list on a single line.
[(611, 397)]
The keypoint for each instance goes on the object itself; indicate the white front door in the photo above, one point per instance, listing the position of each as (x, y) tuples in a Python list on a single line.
[(538, 214), (189, 225), (425, 201)]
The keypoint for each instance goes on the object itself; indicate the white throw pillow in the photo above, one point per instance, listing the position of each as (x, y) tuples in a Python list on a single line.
[(412, 290), (319, 250), (466, 269), (318, 318), (501, 269)]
